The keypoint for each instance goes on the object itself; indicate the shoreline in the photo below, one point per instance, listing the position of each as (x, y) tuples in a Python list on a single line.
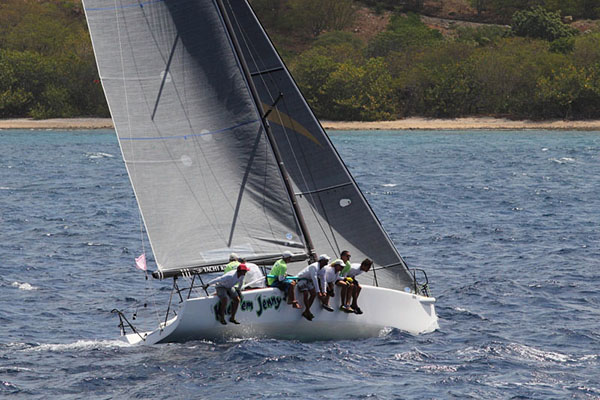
[(413, 123)]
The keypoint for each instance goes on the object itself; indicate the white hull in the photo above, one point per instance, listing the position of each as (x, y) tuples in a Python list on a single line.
[(264, 313)]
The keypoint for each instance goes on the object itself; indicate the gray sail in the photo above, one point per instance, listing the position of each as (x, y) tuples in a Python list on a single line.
[(200, 164), (336, 212)]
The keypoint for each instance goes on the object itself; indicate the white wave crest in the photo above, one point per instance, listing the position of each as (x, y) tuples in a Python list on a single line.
[(432, 368), (98, 155), (23, 286), (563, 160), (536, 354), (80, 345), (389, 185)]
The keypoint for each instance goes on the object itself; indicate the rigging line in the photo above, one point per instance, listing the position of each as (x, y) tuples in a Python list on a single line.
[(274, 152), (265, 149), (252, 50), (255, 63), (310, 112), (240, 70)]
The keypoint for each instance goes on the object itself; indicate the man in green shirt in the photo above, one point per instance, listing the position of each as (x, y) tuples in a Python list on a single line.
[(233, 263), (277, 278)]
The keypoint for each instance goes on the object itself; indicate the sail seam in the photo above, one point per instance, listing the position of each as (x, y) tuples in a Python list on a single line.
[(141, 5), (191, 135)]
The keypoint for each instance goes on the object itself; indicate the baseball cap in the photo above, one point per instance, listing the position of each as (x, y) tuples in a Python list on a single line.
[(243, 267), (287, 254), (337, 262), (233, 257), (324, 257)]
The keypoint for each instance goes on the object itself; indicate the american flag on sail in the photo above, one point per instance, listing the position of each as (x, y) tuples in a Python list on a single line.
[(140, 262)]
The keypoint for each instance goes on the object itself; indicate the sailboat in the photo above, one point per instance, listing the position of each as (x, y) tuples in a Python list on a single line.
[(225, 155)]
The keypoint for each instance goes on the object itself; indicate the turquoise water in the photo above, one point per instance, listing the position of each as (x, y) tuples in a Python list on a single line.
[(505, 224)]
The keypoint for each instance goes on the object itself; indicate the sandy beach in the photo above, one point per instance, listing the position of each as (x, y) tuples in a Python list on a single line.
[(403, 124), (461, 124), (56, 123)]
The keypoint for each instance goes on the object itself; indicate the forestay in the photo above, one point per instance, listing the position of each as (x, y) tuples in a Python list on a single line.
[(336, 212), (203, 172)]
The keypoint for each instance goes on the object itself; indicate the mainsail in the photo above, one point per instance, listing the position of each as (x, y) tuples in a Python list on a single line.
[(196, 149), (194, 144)]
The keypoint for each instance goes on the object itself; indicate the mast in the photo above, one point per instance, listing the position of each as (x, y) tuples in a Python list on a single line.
[(268, 131)]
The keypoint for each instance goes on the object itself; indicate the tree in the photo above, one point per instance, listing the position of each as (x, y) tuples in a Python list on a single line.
[(540, 23), (362, 93)]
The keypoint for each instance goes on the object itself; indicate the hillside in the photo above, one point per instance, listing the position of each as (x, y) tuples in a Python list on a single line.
[(367, 60)]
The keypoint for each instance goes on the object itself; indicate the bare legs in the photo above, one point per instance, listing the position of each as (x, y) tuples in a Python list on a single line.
[(345, 295), (223, 307), (292, 295), (309, 298)]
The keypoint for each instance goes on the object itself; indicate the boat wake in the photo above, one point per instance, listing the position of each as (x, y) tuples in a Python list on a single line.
[(77, 346)]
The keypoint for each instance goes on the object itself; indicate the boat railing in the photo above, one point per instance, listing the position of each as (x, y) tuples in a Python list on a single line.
[(123, 320), (421, 286)]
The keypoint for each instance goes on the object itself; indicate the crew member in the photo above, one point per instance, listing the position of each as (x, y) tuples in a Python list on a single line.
[(355, 288), (329, 275), (229, 285), (277, 278), (308, 284)]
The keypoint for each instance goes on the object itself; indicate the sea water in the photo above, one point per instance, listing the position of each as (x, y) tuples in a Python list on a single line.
[(505, 224)]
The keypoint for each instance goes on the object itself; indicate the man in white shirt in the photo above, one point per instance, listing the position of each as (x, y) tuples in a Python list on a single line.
[(350, 278), (308, 283), (229, 285), (255, 279), (327, 277)]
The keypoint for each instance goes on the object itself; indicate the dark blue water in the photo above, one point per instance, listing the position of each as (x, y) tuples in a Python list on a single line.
[(505, 223)]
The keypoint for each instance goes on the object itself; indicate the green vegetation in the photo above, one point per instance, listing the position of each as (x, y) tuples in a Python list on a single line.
[(47, 67), (542, 24), (538, 67)]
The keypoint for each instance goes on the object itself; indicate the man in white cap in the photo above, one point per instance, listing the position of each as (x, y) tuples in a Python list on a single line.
[(327, 277), (308, 283), (277, 278), (229, 285)]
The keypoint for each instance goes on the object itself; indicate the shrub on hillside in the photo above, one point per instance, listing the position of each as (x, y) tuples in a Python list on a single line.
[(540, 23), (361, 93), (403, 32), (482, 35)]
